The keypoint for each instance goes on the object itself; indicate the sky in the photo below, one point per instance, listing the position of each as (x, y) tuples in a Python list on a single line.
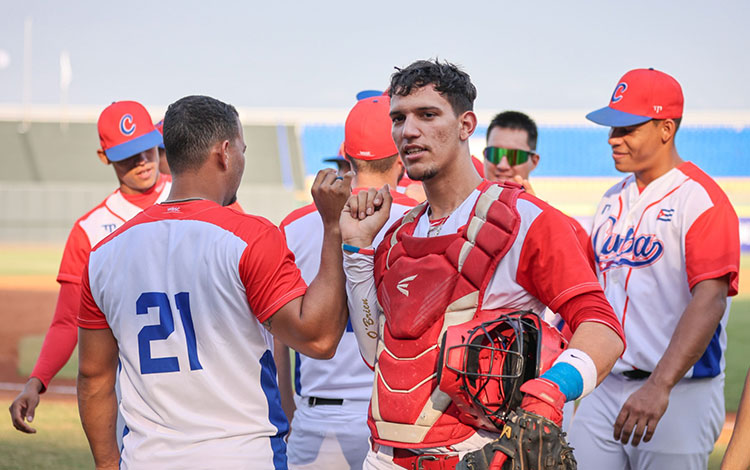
[(544, 54)]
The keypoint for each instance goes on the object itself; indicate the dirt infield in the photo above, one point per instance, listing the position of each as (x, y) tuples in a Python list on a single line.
[(26, 307)]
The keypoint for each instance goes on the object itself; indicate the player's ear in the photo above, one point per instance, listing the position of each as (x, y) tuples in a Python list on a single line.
[(667, 128), (103, 157), (468, 122), (220, 154), (534, 160)]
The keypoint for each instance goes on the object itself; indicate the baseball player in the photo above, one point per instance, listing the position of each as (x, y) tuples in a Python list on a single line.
[(129, 143), (473, 250), (737, 456), (330, 420), (163, 163), (342, 164), (666, 245), (189, 317)]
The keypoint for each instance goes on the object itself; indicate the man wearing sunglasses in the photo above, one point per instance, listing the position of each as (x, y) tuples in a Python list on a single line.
[(511, 148), (666, 246)]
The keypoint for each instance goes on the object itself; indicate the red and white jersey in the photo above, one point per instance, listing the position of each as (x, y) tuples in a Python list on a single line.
[(184, 288), (103, 220), (545, 266), (88, 230), (652, 247), (345, 375)]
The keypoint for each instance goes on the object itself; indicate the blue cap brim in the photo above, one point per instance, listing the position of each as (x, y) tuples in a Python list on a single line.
[(126, 150), (364, 94), (614, 118), (335, 159)]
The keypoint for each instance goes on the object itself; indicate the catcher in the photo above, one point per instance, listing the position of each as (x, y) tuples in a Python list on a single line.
[(454, 377)]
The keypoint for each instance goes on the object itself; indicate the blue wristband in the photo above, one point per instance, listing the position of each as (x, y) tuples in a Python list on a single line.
[(567, 378), (356, 249)]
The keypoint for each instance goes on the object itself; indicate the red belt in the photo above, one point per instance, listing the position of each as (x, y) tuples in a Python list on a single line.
[(407, 459)]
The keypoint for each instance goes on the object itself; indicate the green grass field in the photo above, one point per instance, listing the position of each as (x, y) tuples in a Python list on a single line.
[(58, 444)]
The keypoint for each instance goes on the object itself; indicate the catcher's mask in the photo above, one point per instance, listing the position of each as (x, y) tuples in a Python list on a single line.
[(484, 363)]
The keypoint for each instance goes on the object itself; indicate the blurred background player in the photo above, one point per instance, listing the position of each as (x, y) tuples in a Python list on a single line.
[(163, 163), (511, 148), (737, 456), (129, 143), (666, 246), (185, 320), (342, 164), (420, 269), (329, 428)]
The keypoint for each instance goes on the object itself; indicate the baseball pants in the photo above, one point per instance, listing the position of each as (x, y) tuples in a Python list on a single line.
[(683, 439), (329, 436)]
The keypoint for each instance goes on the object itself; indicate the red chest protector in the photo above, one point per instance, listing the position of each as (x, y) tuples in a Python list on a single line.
[(425, 285)]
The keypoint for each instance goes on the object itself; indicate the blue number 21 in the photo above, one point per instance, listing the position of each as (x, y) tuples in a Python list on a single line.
[(151, 365)]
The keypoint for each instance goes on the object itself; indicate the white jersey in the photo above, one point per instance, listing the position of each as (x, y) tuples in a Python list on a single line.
[(345, 375), (184, 289), (652, 247)]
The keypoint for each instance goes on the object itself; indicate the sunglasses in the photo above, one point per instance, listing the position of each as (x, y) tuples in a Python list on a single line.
[(514, 156)]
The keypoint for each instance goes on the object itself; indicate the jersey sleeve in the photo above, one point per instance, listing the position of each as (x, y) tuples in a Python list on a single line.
[(62, 335), (89, 314), (553, 266), (712, 246), (269, 274), (74, 258)]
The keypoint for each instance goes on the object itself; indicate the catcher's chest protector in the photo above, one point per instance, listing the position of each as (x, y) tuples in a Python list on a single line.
[(425, 285)]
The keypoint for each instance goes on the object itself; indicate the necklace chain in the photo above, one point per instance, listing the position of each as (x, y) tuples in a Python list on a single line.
[(187, 199)]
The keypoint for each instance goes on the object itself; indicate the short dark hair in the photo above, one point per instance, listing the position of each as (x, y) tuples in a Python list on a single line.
[(382, 165), (450, 81), (192, 125), (516, 120)]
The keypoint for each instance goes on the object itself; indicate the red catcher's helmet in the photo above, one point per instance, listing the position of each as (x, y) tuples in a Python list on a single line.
[(484, 363)]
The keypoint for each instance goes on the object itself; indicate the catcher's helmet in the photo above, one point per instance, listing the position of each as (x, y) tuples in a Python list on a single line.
[(485, 362)]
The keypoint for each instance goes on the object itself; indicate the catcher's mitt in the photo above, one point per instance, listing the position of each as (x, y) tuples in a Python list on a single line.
[(527, 442)]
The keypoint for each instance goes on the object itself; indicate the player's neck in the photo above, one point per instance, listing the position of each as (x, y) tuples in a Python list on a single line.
[(662, 165), (190, 186), (448, 189), (374, 180)]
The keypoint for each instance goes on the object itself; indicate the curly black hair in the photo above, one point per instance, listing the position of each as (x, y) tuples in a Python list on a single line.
[(448, 79)]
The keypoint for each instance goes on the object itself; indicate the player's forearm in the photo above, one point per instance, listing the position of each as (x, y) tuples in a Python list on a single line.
[(284, 372), (601, 343), (693, 332), (97, 406), (324, 313), (362, 298), (62, 336), (737, 456)]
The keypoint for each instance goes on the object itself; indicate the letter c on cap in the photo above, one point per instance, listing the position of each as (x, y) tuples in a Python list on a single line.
[(619, 91), (127, 126)]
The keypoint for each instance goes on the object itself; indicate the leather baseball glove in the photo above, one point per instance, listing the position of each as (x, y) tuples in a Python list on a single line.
[(527, 442)]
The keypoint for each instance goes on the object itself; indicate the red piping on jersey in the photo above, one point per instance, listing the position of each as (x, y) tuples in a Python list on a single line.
[(635, 232), (624, 313)]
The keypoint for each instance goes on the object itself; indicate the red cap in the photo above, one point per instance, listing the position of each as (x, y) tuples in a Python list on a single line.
[(367, 133), (126, 129), (641, 95)]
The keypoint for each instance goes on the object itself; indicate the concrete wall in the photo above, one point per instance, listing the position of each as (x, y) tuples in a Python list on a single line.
[(50, 175)]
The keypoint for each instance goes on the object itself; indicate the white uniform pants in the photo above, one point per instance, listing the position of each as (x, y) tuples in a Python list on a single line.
[(683, 439), (329, 436)]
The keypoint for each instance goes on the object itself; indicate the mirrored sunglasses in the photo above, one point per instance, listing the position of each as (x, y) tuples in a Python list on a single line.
[(514, 156)]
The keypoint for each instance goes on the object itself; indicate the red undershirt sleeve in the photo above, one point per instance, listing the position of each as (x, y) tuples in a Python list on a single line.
[(62, 336), (590, 307)]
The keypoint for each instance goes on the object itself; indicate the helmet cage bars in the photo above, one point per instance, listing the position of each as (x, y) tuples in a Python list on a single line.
[(484, 363)]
